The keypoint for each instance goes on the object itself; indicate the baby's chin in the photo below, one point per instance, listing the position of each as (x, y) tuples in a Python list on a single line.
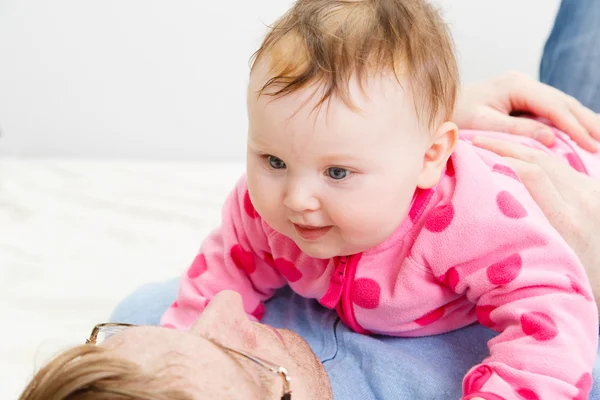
[(323, 250), (317, 249)]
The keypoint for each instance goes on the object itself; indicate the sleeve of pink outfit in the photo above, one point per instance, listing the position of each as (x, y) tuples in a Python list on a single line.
[(233, 257), (527, 285)]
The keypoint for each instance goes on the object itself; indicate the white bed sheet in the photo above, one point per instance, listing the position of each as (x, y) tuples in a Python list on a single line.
[(78, 236)]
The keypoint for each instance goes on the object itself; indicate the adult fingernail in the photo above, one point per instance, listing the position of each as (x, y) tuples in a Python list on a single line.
[(545, 136)]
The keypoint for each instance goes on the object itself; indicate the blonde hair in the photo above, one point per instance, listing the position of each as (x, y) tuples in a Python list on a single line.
[(88, 372), (329, 41)]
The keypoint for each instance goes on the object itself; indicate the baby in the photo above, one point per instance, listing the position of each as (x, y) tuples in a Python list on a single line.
[(359, 193)]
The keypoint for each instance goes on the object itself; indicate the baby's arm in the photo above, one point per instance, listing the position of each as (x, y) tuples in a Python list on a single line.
[(547, 323), (232, 257), (499, 250)]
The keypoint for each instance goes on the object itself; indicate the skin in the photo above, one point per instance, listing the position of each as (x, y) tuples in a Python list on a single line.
[(310, 143), (275, 127), (569, 199), (381, 152), (205, 370), (291, 152), (491, 105)]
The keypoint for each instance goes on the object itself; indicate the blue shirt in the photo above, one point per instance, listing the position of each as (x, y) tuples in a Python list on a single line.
[(359, 367)]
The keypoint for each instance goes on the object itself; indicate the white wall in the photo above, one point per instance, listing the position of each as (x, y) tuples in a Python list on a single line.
[(165, 79)]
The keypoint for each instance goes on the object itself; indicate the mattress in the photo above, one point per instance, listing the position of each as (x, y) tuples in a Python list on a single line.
[(77, 236)]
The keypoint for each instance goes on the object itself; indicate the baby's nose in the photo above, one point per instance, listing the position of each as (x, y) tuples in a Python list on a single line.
[(300, 198)]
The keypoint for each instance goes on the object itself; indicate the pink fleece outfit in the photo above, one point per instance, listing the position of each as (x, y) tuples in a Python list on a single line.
[(476, 247)]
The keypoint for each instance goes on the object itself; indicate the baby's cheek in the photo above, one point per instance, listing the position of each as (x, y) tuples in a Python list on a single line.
[(362, 231), (375, 215), (264, 199)]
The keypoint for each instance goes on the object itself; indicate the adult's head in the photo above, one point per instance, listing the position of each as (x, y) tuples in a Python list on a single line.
[(154, 363)]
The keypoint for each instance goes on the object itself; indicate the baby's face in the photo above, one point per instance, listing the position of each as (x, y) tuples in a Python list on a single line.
[(334, 180)]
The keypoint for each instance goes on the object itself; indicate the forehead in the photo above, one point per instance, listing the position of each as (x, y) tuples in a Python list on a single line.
[(380, 102), (137, 341), (203, 365), (374, 90)]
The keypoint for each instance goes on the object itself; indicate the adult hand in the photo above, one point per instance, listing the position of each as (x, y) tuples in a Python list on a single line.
[(488, 105), (569, 199)]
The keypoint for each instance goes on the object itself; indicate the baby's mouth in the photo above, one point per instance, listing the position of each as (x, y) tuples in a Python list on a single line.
[(308, 232)]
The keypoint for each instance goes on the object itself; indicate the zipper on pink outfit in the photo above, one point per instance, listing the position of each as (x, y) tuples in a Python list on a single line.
[(339, 293), (345, 306), (336, 284)]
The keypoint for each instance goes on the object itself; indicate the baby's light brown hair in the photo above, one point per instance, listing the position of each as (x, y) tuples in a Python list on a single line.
[(328, 42)]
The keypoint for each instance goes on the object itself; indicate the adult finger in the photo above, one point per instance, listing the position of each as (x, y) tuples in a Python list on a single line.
[(500, 122), (542, 190), (545, 101), (505, 148), (588, 118), (563, 177)]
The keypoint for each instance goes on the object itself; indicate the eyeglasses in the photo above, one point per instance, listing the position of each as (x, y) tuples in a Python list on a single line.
[(110, 328)]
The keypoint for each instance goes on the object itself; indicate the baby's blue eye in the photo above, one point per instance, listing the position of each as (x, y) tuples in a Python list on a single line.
[(337, 173), (275, 163)]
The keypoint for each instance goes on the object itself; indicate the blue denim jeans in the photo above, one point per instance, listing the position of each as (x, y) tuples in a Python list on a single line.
[(571, 60)]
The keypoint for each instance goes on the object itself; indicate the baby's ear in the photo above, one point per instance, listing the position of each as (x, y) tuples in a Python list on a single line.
[(436, 156)]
